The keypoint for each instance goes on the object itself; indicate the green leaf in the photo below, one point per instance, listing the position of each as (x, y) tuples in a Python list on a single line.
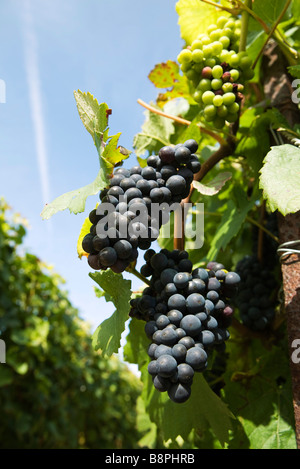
[(156, 132), (93, 115), (269, 10), (263, 406), (231, 222), (203, 410), (214, 186), (75, 200), (280, 177), (195, 17), (255, 141), (108, 334), (6, 375), (294, 70)]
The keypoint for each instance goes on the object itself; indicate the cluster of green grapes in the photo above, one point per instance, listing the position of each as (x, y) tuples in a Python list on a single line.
[(217, 72)]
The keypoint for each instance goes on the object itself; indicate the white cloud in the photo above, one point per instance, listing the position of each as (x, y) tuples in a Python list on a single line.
[(35, 97)]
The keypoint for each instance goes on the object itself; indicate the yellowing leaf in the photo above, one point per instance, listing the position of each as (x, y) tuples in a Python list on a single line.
[(85, 229), (194, 18), (164, 74)]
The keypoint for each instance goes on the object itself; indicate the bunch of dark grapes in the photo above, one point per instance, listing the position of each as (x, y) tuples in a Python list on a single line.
[(257, 297), (217, 72), (187, 313), (134, 195), (269, 245)]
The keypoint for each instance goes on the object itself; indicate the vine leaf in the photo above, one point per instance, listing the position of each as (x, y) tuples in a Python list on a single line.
[(94, 117), (167, 75), (195, 17), (231, 221), (214, 186), (75, 200), (279, 179), (156, 132), (107, 336), (85, 229)]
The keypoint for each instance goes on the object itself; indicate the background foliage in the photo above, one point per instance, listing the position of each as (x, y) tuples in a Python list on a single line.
[(55, 390)]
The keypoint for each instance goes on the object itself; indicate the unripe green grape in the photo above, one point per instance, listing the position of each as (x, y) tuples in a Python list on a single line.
[(204, 85), (224, 56), (233, 108), (228, 98), (216, 83), (222, 111), (225, 41), (218, 101), (227, 87), (198, 68), (235, 74), (205, 40), (197, 44), (209, 118), (248, 74), (238, 23), (197, 55), (237, 34), (198, 96), (240, 88), (192, 74), (217, 47), (219, 122), (207, 50), (211, 28), (234, 60), (228, 32), (216, 34), (217, 71), (231, 117), (207, 97), (230, 24), (185, 56), (221, 21), (210, 62), (210, 110), (184, 67), (231, 52)]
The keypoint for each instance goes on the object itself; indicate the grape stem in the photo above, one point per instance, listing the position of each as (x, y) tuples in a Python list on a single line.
[(244, 26), (262, 228), (180, 120), (135, 272), (233, 11), (260, 246), (225, 150)]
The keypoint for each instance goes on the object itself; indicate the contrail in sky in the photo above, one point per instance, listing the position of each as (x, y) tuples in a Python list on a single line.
[(35, 97)]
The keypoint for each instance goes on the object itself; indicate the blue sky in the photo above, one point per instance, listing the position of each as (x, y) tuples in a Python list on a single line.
[(49, 49)]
